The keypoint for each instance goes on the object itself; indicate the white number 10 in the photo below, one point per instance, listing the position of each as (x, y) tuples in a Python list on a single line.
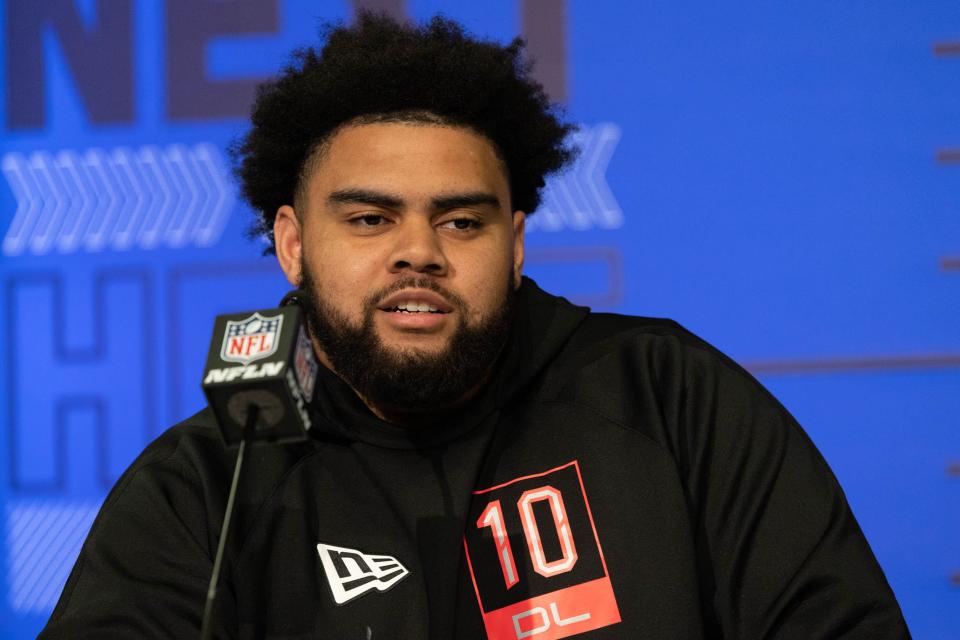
[(492, 517)]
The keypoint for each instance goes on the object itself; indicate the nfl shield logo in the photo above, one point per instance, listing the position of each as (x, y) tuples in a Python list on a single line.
[(250, 339)]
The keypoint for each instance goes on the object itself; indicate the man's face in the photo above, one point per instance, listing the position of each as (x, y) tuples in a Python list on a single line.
[(407, 237)]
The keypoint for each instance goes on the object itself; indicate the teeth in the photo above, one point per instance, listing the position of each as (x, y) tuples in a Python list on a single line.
[(416, 307)]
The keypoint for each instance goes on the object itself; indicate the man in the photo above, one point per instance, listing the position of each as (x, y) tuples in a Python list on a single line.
[(489, 461)]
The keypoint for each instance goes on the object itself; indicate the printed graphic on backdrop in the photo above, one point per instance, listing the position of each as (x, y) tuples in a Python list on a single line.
[(120, 199), (580, 198), (535, 558), (44, 539)]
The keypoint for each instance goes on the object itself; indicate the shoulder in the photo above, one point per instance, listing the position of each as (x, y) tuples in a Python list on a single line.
[(194, 438), (189, 469), (191, 450), (575, 340), (186, 450), (196, 442), (654, 376), (655, 351)]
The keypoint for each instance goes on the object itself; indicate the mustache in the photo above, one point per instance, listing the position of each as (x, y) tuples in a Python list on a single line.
[(410, 282)]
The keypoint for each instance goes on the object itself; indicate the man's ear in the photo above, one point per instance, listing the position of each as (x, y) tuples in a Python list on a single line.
[(519, 222), (288, 241)]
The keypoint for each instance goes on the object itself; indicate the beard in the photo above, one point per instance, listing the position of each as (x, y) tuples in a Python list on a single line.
[(405, 382)]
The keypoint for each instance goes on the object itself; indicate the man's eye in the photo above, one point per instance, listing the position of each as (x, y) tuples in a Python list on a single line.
[(462, 224), (370, 220)]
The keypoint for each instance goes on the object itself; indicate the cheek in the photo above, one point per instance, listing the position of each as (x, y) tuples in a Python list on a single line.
[(490, 282), (340, 281)]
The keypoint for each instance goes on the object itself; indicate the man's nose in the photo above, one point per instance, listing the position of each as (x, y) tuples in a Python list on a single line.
[(418, 248)]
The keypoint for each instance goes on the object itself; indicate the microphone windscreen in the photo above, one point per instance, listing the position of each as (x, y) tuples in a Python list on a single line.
[(261, 359)]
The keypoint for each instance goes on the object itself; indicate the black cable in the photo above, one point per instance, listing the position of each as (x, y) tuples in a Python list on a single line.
[(205, 628)]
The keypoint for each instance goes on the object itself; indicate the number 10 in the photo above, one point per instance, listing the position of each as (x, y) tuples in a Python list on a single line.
[(492, 517)]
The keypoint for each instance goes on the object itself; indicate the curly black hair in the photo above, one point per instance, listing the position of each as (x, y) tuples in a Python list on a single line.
[(379, 69)]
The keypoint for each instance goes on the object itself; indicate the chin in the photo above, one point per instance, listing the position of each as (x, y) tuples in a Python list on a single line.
[(417, 346)]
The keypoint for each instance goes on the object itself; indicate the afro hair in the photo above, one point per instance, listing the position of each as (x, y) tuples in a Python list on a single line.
[(379, 69)]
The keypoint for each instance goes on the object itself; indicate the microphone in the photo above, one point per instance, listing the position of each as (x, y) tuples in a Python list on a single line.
[(259, 380), (264, 360)]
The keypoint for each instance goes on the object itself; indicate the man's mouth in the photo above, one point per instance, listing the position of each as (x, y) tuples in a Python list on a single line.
[(414, 307), (415, 301)]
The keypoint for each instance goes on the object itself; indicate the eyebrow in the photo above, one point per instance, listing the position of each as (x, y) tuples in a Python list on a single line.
[(364, 196), (470, 199), (440, 202)]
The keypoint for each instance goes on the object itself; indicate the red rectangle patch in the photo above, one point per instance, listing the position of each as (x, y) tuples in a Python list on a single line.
[(560, 614), (535, 559)]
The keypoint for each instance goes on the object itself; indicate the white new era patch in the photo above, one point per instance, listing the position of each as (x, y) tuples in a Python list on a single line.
[(352, 573)]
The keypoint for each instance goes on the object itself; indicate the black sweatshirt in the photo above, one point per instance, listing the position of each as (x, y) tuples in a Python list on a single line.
[(617, 478)]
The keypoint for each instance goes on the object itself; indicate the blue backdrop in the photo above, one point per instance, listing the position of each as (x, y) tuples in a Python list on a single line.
[(782, 178)]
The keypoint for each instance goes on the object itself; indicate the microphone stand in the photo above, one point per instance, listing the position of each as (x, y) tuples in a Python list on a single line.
[(205, 628)]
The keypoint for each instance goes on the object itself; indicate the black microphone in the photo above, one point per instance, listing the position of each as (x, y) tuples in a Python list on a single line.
[(261, 359), (259, 380)]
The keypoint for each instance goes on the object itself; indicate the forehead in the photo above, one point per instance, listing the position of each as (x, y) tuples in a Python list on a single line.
[(406, 157)]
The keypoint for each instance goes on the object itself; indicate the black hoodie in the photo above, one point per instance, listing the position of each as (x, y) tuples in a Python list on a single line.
[(617, 478)]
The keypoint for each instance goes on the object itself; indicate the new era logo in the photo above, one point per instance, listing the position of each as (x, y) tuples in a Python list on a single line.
[(352, 573)]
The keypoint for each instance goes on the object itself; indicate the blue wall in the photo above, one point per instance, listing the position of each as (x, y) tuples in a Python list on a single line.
[(782, 178)]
